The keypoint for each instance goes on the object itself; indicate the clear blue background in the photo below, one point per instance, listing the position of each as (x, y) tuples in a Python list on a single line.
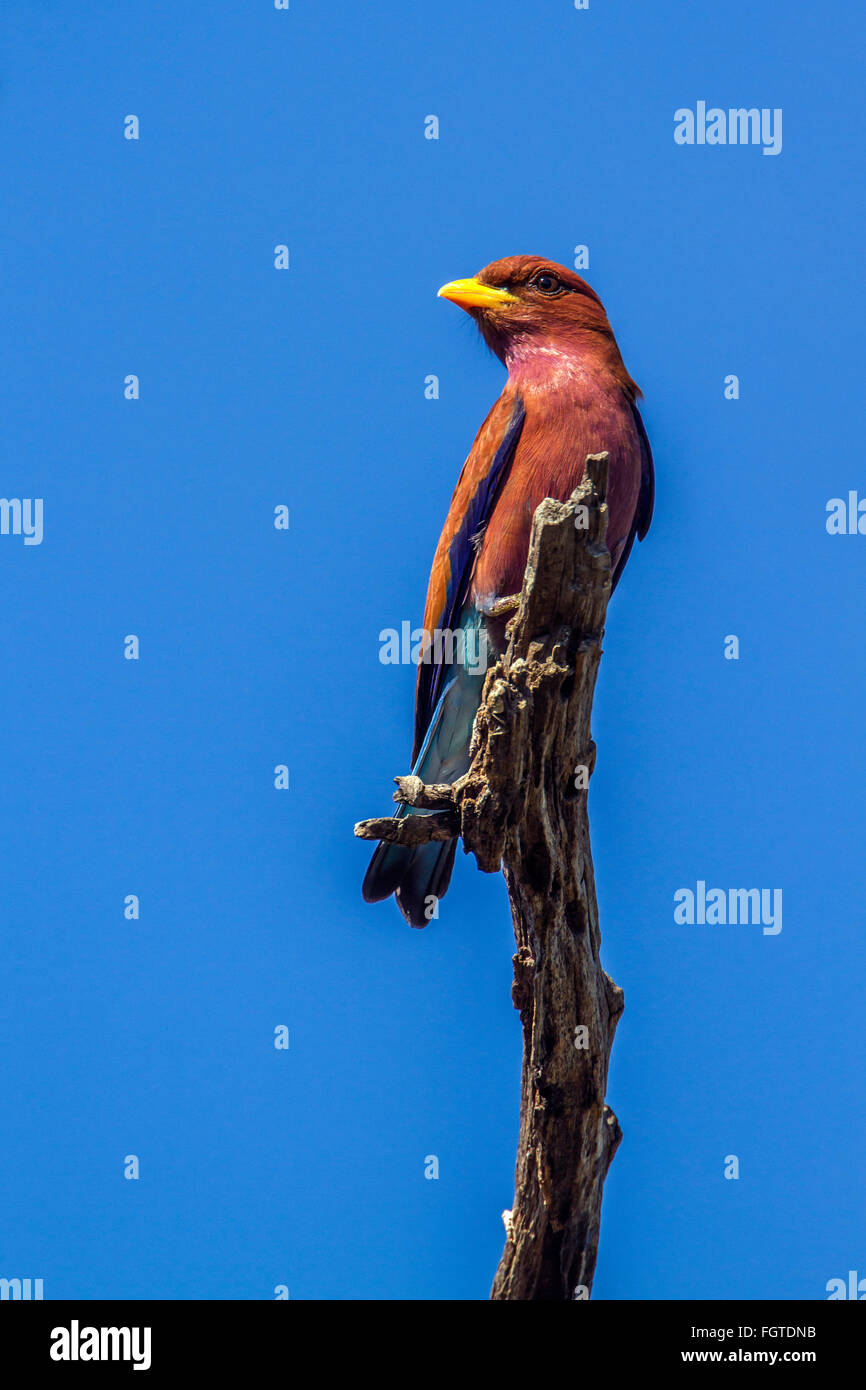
[(306, 387)]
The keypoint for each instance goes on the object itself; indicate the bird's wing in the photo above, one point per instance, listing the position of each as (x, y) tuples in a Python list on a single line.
[(474, 497), (647, 495), (643, 512)]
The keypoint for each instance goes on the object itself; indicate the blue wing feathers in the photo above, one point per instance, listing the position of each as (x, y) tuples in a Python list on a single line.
[(462, 556)]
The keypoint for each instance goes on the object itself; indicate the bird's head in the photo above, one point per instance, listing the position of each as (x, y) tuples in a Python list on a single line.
[(524, 303)]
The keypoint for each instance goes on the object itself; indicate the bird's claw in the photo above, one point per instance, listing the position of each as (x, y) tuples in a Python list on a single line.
[(500, 606)]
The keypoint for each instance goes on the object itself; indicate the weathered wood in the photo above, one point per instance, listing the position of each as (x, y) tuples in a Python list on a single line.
[(410, 830), (568, 1136), (522, 807), (438, 796)]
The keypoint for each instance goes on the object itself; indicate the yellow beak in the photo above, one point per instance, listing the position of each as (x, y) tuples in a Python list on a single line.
[(471, 294)]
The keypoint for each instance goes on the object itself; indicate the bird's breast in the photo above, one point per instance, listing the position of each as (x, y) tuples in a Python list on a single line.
[(570, 416)]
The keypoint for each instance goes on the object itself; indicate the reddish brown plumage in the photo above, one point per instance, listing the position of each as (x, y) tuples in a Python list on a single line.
[(568, 394), (576, 317), (565, 368)]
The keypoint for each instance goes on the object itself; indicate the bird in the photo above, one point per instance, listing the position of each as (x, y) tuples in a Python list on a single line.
[(567, 394)]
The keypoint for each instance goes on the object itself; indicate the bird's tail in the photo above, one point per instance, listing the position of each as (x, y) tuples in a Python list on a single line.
[(419, 875)]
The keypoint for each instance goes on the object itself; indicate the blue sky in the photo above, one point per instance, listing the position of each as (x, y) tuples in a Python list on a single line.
[(305, 387)]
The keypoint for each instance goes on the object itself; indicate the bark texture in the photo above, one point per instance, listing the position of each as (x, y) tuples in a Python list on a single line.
[(522, 807)]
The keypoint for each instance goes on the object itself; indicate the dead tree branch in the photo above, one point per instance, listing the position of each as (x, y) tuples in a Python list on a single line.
[(522, 806)]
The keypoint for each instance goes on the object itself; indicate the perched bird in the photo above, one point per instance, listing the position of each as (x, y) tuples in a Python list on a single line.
[(568, 394)]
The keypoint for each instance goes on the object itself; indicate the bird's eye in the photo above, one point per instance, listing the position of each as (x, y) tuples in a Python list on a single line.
[(547, 283)]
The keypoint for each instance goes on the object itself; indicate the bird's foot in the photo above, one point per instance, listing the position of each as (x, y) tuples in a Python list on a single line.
[(497, 608), (500, 608)]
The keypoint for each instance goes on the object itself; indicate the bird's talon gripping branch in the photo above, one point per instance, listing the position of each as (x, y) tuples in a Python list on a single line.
[(500, 606), (411, 791)]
